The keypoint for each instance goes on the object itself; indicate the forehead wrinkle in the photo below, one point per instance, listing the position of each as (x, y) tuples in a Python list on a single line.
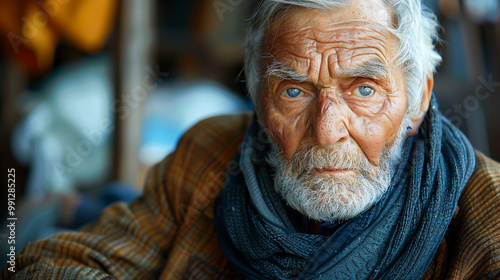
[(318, 44), (317, 40), (309, 47), (382, 30), (293, 34), (348, 54), (296, 49), (347, 35), (377, 54), (354, 45), (361, 29), (295, 61), (359, 22), (346, 58)]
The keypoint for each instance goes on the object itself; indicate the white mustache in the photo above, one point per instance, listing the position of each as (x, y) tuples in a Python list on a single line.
[(342, 156)]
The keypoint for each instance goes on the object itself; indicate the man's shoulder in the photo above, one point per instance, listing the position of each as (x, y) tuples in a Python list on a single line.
[(211, 143), (483, 188), (213, 139), (485, 179), (220, 129), (477, 236), (196, 170), (486, 169)]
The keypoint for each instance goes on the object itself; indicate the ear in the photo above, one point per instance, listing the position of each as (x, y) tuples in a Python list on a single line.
[(424, 106)]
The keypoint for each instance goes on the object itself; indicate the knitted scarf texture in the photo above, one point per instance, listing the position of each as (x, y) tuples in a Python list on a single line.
[(395, 239)]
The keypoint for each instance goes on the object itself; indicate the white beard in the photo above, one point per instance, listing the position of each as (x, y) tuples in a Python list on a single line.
[(338, 197)]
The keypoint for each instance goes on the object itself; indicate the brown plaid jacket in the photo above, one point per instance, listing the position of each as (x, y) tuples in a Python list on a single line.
[(168, 233)]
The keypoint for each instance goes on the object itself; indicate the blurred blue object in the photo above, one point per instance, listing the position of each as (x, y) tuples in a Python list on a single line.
[(61, 137), (173, 109), (483, 10)]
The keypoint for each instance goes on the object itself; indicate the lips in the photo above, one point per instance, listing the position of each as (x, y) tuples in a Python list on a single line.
[(332, 171)]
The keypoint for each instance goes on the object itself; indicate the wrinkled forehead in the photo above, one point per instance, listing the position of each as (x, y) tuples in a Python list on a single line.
[(371, 12), (360, 28)]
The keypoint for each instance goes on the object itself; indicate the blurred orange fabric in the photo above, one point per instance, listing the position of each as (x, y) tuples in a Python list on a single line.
[(31, 29)]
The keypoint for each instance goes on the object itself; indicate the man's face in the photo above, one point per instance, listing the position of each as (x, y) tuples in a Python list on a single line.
[(333, 103)]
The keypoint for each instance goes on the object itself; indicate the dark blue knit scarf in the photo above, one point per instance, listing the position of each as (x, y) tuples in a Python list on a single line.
[(395, 239)]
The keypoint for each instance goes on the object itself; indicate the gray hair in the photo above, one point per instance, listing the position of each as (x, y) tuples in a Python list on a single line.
[(416, 29)]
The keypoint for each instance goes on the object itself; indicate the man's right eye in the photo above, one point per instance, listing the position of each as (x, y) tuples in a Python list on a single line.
[(291, 92)]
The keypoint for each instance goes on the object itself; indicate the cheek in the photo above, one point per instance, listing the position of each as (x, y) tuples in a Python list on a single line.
[(371, 136), (286, 129), (374, 132)]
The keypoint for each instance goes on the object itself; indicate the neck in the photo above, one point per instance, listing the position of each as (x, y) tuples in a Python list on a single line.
[(314, 227)]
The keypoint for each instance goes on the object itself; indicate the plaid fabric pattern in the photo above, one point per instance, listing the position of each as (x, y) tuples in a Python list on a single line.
[(168, 233), (471, 248)]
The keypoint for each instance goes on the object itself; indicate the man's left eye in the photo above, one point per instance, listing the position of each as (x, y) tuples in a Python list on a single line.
[(363, 91)]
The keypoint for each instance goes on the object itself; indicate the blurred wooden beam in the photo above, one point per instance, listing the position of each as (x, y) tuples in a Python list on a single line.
[(133, 65), (15, 82)]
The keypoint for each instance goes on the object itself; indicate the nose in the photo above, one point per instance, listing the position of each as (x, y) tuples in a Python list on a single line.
[(329, 123)]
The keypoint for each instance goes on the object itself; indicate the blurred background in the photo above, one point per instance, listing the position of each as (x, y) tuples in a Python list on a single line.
[(95, 92)]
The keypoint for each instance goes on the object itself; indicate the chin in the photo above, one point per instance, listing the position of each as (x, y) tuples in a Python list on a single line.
[(331, 198)]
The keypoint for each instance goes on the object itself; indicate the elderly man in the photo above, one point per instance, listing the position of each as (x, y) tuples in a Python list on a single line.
[(346, 170)]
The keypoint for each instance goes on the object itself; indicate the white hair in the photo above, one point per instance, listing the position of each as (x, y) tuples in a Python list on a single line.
[(415, 27)]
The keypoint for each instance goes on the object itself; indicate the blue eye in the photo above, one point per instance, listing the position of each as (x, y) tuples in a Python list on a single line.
[(293, 92), (363, 91)]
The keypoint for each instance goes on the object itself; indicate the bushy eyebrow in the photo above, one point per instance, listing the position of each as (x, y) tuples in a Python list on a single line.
[(280, 70)]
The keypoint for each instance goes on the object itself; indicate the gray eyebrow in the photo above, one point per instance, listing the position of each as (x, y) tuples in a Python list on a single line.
[(280, 70), (371, 69)]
